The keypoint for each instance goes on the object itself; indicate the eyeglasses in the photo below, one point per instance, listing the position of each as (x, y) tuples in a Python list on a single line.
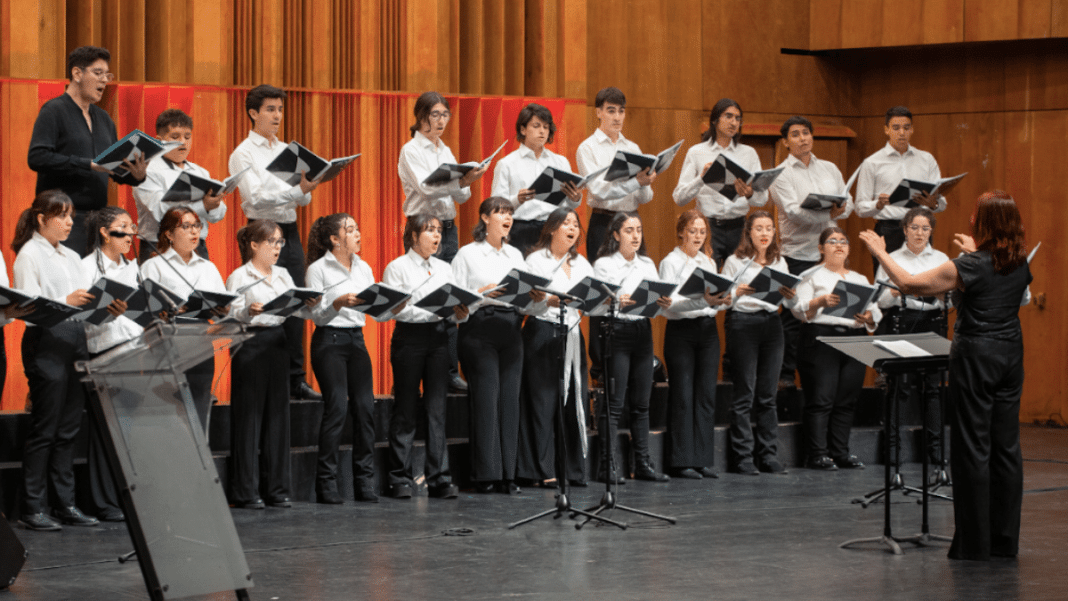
[(837, 242), (440, 115), (276, 242), (191, 226), (119, 234), (920, 228), (101, 74)]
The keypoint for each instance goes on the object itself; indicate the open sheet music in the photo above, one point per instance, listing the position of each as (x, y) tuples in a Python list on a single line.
[(150, 301), (189, 187), (549, 185), (908, 188), (440, 302), (290, 301), (296, 159), (517, 286), (645, 297), (626, 165), (723, 172), (767, 282), (132, 145), (447, 172), (379, 299), (852, 299)]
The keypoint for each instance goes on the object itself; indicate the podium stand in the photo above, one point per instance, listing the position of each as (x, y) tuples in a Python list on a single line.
[(863, 349), (174, 502)]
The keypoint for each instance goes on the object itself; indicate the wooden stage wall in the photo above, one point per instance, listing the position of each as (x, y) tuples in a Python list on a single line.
[(987, 81)]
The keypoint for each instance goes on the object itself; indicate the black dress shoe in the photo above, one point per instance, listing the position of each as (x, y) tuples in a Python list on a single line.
[(708, 472), (72, 516), (281, 502), (616, 480), (644, 471), (304, 392), (746, 469), (484, 488), (822, 463), (111, 515), (329, 497), (39, 521), (578, 483), (400, 491), (688, 472), (772, 466), (457, 384), (447, 490), (366, 495), (850, 462), (508, 487), (253, 504)]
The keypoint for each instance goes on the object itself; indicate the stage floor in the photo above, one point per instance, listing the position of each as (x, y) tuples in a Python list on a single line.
[(737, 537)]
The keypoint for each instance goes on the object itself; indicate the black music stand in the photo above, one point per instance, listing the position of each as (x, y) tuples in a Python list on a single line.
[(864, 349)]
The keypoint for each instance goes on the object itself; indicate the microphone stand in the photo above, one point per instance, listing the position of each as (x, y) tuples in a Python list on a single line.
[(563, 502), (608, 500)]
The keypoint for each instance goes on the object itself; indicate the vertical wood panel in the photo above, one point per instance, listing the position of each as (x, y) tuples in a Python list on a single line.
[(825, 24), (862, 24), (1059, 19), (943, 21)]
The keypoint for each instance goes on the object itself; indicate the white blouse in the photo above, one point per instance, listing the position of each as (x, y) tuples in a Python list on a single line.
[(265, 291), (479, 264), (747, 304), (122, 328), (819, 281), (615, 269), (419, 277), (677, 267), (330, 277), (177, 276)]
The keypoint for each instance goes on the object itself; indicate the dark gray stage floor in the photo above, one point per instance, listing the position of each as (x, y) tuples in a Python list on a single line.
[(738, 537)]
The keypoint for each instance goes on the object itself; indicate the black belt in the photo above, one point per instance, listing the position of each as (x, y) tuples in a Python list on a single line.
[(597, 211), (340, 328), (734, 222), (286, 227), (435, 326), (489, 311)]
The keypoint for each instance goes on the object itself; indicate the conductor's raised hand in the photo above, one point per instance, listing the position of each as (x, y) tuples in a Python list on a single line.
[(964, 242), (875, 243)]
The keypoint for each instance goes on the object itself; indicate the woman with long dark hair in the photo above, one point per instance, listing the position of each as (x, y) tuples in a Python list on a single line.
[(691, 354), (259, 405), (110, 235), (419, 353), (622, 261), (181, 270), (555, 257), (986, 373), (830, 380), (754, 345), (45, 267), (491, 349), (339, 355)]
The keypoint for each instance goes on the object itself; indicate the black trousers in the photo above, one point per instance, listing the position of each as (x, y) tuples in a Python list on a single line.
[(525, 234), (596, 233), (58, 397), (908, 389), (259, 418), (892, 233), (831, 383), (754, 343), (491, 354), (145, 250), (342, 365), (691, 354), (724, 236), (632, 372), (538, 405), (419, 353), (791, 326), (985, 381), (291, 257)]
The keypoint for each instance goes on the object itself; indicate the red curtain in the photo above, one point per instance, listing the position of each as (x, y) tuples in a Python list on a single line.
[(331, 123)]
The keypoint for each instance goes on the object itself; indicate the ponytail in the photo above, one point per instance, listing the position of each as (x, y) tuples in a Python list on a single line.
[(319, 237), (48, 204), (256, 231), (101, 218)]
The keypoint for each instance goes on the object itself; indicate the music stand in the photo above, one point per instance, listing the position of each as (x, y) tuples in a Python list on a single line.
[(864, 349), (175, 506)]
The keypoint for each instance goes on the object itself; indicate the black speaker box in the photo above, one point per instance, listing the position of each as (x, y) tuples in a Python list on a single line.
[(12, 554)]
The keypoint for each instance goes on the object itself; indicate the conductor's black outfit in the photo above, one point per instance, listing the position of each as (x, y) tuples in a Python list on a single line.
[(986, 378)]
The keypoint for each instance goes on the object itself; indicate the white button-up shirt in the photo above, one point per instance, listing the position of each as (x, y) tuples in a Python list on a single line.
[(819, 281), (418, 159), (7, 284), (710, 202), (517, 171), (278, 283), (596, 152), (49, 271), (419, 277), (122, 328), (159, 178), (199, 272), (615, 269), (747, 304), (330, 277), (542, 262), (929, 258), (677, 267), (883, 171), (263, 194), (478, 264), (800, 229)]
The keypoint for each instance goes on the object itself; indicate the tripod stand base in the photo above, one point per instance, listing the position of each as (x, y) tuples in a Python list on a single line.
[(608, 501), (563, 506), (889, 541)]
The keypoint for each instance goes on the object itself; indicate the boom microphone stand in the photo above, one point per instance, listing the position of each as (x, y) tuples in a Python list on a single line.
[(563, 502), (608, 500)]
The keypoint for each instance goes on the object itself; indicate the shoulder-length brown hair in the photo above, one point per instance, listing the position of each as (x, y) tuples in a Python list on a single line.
[(172, 219), (684, 221), (47, 204), (997, 227), (747, 249)]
